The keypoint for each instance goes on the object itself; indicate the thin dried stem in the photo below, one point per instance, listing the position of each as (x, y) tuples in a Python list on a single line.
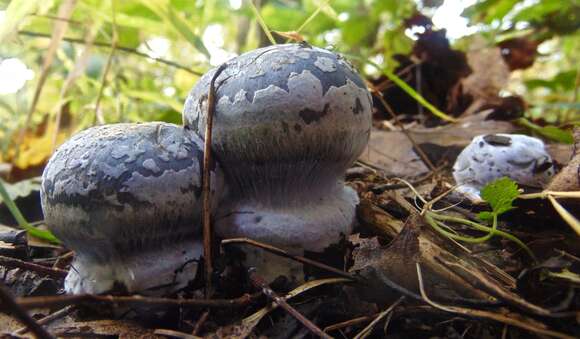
[(422, 154), (259, 282), (64, 300), (49, 318), (512, 319), (10, 306), (54, 273), (206, 179), (282, 253), (366, 331), (119, 48)]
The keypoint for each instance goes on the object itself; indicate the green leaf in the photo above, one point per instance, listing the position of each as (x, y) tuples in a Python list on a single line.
[(549, 131), (17, 10), (499, 194), (485, 216), (22, 188), (41, 234), (156, 98)]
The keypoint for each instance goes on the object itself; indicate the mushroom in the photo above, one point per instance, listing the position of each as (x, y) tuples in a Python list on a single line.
[(127, 199), (288, 121), (489, 157)]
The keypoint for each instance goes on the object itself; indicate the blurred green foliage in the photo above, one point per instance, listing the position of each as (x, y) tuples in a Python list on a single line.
[(162, 46)]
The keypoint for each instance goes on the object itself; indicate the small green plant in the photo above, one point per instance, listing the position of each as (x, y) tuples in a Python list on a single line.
[(500, 195), (33, 231)]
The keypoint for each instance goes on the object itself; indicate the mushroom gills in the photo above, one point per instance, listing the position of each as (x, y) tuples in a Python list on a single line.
[(127, 199)]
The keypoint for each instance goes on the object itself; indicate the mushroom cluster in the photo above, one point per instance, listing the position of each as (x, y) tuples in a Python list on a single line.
[(288, 121)]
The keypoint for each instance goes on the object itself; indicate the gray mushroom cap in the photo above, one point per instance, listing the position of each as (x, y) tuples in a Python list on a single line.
[(287, 116), (288, 121), (116, 194), (521, 158)]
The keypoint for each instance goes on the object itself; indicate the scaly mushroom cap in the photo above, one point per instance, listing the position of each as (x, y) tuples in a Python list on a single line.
[(127, 199), (289, 120), (489, 157)]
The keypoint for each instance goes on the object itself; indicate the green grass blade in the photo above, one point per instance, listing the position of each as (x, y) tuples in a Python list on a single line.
[(41, 234), (262, 22)]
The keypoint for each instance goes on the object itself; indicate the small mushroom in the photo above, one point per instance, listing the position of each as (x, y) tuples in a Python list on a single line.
[(288, 121), (127, 199), (489, 157)]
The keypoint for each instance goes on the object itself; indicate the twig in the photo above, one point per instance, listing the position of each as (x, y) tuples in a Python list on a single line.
[(55, 273), (175, 334), (398, 122), (262, 22), (282, 253), (64, 260), (200, 322), (120, 48), (364, 333), (206, 179), (64, 300), (10, 306), (350, 322), (49, 318), (259, 282), (98, 116), (512, 320)]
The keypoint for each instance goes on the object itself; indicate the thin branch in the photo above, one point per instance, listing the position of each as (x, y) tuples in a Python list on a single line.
[(260, 283), (64, 300), (398, 122), (54, 273), (49, 318), (206, 179), (512, 320), (282, 253), (351, 322), (365, 332), (174, 334), (11, 307), (120, 48)]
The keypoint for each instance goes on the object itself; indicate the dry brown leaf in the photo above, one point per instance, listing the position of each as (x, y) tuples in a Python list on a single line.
[(291, 35)]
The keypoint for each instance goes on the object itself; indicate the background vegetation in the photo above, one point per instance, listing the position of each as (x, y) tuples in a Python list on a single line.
[(68, 64)]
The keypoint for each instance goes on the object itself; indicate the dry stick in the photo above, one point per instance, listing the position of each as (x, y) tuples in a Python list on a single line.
[(120, 48), (200, 322), (54, 273), (10, 306), (260, 283), (49, 318), (64, 300), (175, 334), (282, 253), (350, 322), (505, 319), (206, 189), (364, 333), (422, 154)]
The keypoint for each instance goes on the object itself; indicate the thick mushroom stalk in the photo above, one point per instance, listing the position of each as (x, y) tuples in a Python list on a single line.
[(489, 157), (127, 199), (289, 120)]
